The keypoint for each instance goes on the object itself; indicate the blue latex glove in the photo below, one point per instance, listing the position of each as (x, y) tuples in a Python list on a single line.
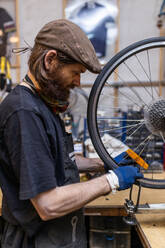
[(127, 176)]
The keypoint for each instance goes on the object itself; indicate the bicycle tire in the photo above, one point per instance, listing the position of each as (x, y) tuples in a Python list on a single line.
[(155, 42)]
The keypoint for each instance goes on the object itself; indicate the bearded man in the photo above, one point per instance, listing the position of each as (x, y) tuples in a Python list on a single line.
[(39, 176)]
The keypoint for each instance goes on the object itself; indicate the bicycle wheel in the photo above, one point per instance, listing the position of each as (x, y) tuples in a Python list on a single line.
[(137, 65)]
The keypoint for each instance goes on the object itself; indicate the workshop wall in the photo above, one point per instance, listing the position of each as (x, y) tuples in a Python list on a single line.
[(33, 15), (137, 20)]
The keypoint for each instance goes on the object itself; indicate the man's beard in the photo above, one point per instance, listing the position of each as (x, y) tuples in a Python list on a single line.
[(55, 89)]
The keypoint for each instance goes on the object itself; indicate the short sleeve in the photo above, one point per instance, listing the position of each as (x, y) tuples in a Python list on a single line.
[(30, 153)]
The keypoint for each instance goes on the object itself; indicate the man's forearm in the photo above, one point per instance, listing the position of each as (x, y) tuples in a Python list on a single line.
[(89, 164), (63, 200)]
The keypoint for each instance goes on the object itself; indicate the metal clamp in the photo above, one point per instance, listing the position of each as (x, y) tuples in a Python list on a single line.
[(131, 209)]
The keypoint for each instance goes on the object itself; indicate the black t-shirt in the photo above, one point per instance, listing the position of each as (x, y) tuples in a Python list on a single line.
[(7, 25), (31, 155)]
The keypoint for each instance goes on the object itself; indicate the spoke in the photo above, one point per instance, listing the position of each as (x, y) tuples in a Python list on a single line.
[(118, 128), (147, 162), (128, 130), (107, 108), (148, 137), (111, 94), (133, 90), (145, 74), (116, 97), (137, 78), (146, 154), (130, 135), (125, 140), (120, 119), (131, 120), (127, 97), (162, 137), (149, 67), (144, 147), (135, 130), (136, 148)]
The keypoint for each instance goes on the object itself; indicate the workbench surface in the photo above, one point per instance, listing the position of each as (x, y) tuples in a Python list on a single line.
[(150, 228)]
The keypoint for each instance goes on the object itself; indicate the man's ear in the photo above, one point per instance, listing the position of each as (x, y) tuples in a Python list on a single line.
[(50, 58)]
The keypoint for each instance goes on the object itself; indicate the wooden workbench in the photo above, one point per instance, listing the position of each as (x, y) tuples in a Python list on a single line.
[(150, 227), (151, 230)]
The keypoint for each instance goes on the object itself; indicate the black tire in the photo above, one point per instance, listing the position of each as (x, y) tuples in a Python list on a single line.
[(99, 83)]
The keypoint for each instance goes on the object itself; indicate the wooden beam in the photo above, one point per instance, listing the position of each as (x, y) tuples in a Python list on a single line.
[(116, 98), (161, 62), (118, 28), (17, 66), (64, 4), (116, 93), (127, 84)]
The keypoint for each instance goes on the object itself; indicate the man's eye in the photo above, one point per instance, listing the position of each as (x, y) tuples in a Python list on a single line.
[(76, 73)]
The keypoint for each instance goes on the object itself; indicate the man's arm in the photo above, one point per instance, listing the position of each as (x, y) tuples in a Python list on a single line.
[(89, 164), (63, 200)]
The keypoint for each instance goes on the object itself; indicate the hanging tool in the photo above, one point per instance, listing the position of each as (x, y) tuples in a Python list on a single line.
[(5, 74)]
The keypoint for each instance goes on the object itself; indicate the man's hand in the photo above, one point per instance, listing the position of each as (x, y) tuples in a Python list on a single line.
[(123, 177)]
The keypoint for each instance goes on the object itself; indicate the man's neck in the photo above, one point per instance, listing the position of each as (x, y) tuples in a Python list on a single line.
[(32, 78), (34, 85)]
